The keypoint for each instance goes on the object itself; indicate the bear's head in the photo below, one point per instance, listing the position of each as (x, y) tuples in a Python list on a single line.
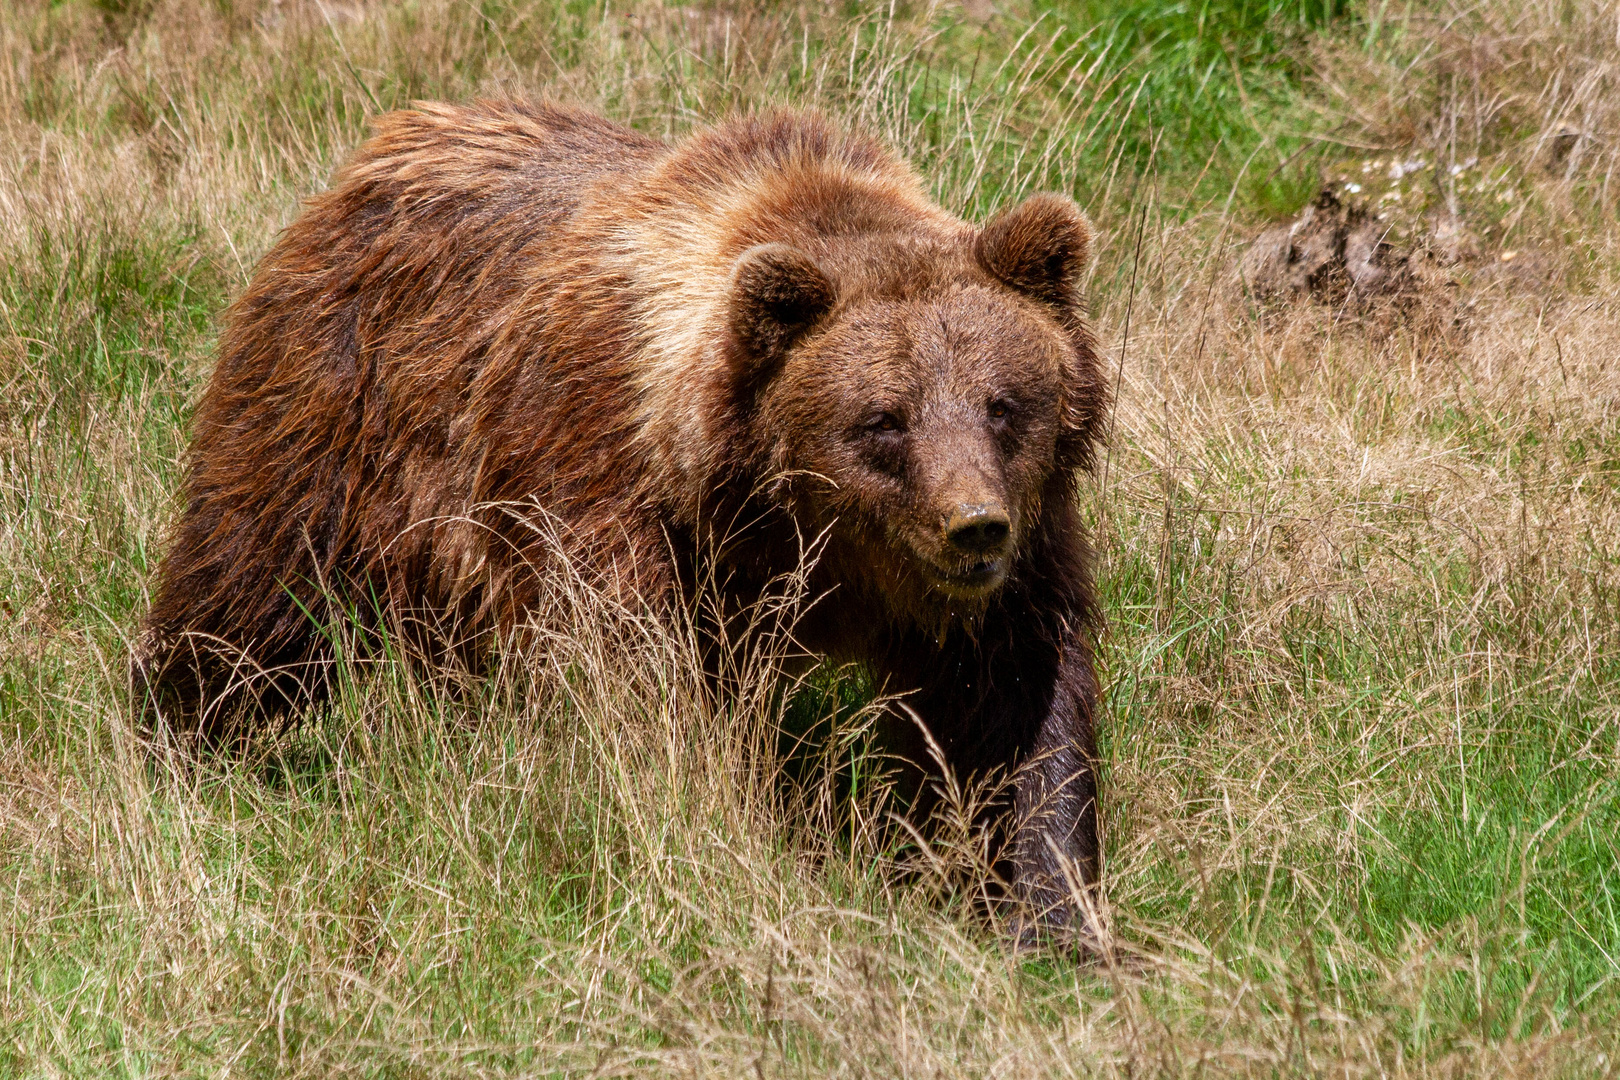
[(916, 397)]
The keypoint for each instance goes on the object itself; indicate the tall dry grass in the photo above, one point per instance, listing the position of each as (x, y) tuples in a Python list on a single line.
[(1360, 570)]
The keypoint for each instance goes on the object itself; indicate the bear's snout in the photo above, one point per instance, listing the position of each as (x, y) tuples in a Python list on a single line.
[(969, 524)]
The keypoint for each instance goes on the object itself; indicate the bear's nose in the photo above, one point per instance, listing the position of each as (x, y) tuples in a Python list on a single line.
[(978, 528)]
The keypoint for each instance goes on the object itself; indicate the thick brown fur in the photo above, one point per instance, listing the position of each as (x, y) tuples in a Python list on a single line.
[(768, 331)]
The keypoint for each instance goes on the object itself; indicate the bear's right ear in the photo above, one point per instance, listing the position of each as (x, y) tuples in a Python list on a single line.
[(777, 293), (1039, 247)]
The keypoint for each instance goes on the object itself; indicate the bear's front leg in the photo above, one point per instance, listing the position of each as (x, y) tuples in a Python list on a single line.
[(1017, 701), (1053, 853)]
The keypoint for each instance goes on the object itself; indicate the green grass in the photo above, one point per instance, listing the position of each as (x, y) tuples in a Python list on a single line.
[(1362, 578), (1504, 833), (1211, 92)]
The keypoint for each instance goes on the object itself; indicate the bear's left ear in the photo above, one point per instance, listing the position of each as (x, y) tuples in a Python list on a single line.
[(777, 293), (1039, 247)]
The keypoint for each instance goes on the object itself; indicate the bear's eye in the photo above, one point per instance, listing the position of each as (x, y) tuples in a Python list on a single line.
[(885, 422), (1000, 410)]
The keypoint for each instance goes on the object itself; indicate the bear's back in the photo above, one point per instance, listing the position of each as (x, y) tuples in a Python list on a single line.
[(329, 428)]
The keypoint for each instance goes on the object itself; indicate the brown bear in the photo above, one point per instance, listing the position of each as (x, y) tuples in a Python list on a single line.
[(767, 327)]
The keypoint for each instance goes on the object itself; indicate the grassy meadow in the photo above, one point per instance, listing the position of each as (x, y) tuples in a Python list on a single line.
[(1361, 568)]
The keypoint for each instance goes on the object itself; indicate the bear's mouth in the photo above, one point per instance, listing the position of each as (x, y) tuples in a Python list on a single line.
[(970, 580)]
